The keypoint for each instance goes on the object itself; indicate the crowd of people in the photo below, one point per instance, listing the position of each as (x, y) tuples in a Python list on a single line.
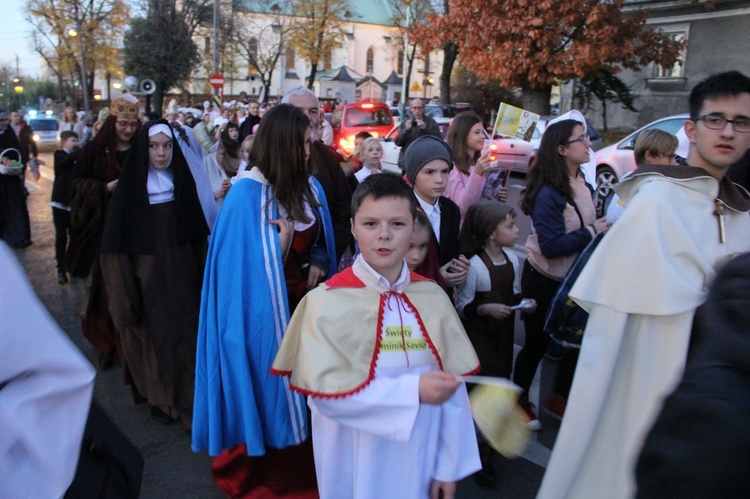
[(294, 309)]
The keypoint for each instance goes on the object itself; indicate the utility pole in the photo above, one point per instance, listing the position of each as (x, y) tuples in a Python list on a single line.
[(405, 64), (216, 40)]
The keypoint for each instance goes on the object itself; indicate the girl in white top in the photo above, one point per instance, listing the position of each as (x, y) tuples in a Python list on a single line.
[(370, 154), (71, 122)]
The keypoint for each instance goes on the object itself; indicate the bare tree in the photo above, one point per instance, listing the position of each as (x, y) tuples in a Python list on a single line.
[(261, 43)]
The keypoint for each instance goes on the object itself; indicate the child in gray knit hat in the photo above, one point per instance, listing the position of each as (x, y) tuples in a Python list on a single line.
[(424, 150), (427, 162)]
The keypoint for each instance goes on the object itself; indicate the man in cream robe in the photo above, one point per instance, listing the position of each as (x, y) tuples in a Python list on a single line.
[(45, 392), (641, 288)]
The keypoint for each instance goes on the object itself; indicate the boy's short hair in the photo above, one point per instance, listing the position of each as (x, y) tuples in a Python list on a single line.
[(383, 185), (725, 84), (362, 135), (65, 135), (657, 142)]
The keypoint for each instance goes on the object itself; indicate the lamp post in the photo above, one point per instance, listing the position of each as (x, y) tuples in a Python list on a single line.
[(404, 89), (217, 13), (75, 33)]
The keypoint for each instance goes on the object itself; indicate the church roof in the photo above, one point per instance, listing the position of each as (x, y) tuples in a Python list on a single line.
[(368, 79), (369, 12), (343, 74), (393, 79)]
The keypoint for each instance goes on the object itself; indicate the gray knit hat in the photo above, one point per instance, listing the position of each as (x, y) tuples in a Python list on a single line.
[(422, 151)]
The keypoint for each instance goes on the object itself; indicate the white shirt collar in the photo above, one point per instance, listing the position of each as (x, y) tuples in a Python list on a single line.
[(433, 215), (373, 279), (427, 207)]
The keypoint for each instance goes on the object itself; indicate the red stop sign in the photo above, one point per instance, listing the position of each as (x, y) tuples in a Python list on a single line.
[(216, 80)]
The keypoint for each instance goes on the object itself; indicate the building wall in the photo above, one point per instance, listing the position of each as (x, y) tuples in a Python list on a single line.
[(353, 53), (716, 43)]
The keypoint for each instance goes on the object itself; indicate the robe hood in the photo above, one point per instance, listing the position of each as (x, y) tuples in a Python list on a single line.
[(732, 195)]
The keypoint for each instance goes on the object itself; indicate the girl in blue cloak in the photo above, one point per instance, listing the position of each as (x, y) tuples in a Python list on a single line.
[(272, 242)]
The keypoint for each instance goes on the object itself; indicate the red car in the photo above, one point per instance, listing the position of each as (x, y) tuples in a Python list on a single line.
[(349, 120)]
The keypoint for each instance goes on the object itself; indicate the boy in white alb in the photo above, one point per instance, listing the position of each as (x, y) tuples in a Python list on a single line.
[(378, 349)]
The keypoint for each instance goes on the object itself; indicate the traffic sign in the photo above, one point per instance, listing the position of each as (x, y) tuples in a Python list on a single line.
[(216, 80)]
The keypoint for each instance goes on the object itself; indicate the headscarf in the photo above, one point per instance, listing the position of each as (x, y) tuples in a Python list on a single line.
[(129, 227), (481, 220)]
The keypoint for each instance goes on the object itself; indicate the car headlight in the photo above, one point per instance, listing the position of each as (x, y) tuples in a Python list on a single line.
[(347, 144), (36, 138)]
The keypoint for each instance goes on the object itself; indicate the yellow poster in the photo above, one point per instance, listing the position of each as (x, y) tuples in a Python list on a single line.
[(515, 122)]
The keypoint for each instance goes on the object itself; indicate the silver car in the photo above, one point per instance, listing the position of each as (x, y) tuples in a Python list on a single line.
[(516, 154), (616, 160), (46, 133)]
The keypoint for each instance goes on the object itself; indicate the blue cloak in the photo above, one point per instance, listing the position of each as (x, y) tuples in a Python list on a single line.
[(244, 313)]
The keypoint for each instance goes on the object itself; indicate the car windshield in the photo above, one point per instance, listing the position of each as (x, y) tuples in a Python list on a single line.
[(670, 126), (367, 117), (43, 125), (434, 111)]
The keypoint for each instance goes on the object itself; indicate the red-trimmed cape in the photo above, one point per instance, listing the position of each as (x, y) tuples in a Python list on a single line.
[(331, 345)]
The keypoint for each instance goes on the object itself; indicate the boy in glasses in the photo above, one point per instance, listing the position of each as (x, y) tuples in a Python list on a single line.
[(642, 287)]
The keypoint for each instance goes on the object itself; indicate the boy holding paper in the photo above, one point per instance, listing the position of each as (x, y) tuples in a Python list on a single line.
[(378, 349)]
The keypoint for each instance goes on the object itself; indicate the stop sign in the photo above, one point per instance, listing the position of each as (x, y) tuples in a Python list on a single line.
[(216, 80)]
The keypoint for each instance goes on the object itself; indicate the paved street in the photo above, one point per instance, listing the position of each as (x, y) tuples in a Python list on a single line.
[(172, 469)]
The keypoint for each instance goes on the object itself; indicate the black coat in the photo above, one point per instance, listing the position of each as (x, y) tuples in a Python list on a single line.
[(699, 446), (28, 146), (450, 221), (327, 170), (64, 164), (247, 126)]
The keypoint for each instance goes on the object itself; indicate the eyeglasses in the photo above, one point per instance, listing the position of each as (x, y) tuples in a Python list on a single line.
[(585, 140), (126, 124), (715, 122)]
